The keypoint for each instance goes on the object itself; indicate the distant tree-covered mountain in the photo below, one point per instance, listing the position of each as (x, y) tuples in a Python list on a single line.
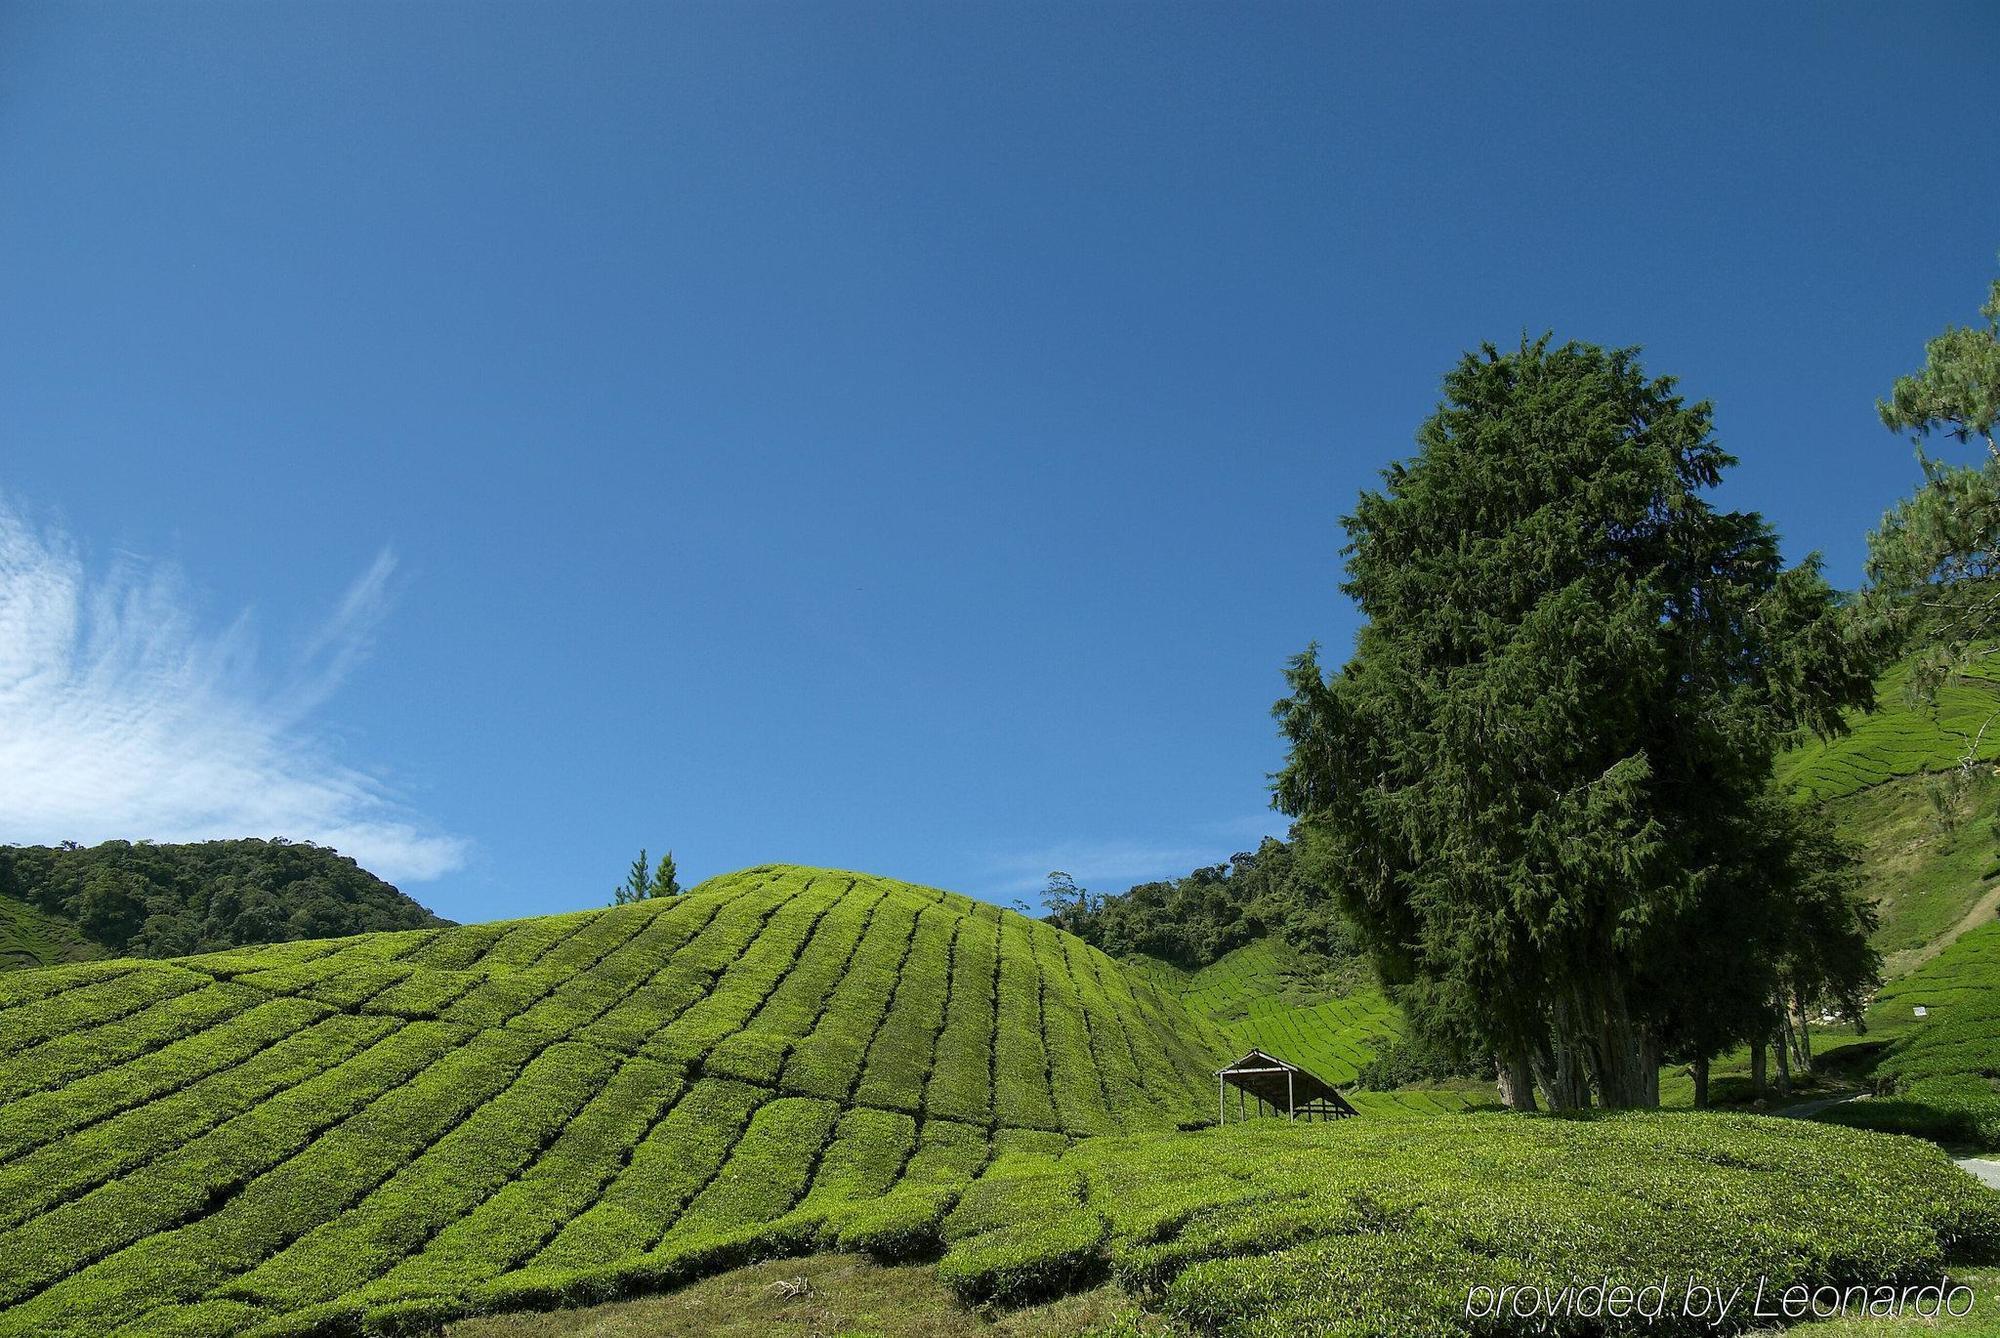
[(144, 900)]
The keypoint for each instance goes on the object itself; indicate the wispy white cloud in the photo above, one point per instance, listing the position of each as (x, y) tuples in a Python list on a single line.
[(121, 716), (1114, 865)]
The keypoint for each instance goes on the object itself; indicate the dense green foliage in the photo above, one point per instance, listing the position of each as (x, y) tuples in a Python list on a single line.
[(442, 1118), (1940, 1078), (149, 900), (1544, 775), (1196, 920)]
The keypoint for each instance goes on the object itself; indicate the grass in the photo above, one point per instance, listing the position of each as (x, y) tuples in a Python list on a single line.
[(1923, 877), (315, 1135)]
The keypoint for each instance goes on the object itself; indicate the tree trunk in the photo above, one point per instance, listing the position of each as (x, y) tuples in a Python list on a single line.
[(1625, 1059), (1701, 1082), (1560, 1073), (1783, 1048), (1757, 1067), (1802, 1037), (1517, 1083)]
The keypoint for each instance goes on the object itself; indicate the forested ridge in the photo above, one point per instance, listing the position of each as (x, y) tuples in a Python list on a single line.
[(139, 899)]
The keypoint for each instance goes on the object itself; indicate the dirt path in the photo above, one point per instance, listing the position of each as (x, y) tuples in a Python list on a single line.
[(1989, 1171), (1805, 1110), (1900, 964)]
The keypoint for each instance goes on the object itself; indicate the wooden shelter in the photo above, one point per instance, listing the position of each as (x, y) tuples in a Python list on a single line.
[(1288, 1089)]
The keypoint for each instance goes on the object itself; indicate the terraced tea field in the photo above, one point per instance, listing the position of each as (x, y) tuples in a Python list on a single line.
[(1252, 995), (278, 1140), (1378, 1231), (29, 938), (1940, 1076), (1900, 738), (384, 1133), (1354, 1229)]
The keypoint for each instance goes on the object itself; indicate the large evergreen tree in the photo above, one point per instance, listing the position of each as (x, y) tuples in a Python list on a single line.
[(1539, 779)]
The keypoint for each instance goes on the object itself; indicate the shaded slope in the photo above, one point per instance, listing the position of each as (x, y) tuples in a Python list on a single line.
[(1923, 874), (214, 1144), (29, 937)]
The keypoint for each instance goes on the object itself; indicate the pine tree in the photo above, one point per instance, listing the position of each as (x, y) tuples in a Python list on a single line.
[(1934, 563), (637, 885), (1539, 779), (665, 883)]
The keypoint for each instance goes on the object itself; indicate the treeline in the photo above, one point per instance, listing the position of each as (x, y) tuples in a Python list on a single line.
[(1194, 920), (148, 900)]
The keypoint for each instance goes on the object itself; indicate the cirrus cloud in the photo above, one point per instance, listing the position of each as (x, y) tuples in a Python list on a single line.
[(121, 716)]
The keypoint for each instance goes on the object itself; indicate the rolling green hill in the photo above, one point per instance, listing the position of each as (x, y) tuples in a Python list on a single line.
[(1264, 996), (208, 1144), (382, 1133), (1261, 995)]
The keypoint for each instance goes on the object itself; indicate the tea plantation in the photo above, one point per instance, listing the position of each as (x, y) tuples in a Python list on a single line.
[(206, 1145), (1940, 1078), (382, 1133), (1253, 996), (29, 938), (1900, 737), (1271, 1228)]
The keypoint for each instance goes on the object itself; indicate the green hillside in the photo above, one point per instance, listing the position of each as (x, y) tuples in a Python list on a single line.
[(219, 1141), (1939, 1076), (29, 937), (1929, 879), (381, 1133), (1262, 995), (1900, 737)]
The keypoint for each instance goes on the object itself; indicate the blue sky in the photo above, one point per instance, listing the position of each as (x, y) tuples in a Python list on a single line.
[(910, 438)]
